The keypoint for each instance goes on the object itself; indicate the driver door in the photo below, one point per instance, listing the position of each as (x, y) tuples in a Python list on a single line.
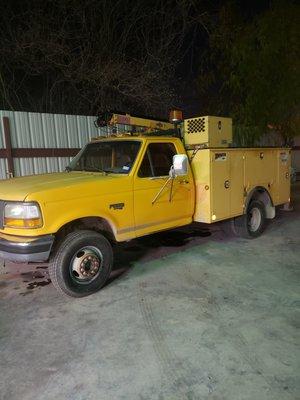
[(174, 205)]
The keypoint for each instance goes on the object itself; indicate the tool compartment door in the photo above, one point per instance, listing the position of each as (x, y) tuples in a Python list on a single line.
[(284, 185), (220, 184), (236, 182)]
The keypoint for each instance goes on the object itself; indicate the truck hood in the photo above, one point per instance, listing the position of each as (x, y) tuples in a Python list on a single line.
[(17, 189)]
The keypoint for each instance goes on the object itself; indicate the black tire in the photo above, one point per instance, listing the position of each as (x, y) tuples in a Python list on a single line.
[(81, 253), (253, 223)]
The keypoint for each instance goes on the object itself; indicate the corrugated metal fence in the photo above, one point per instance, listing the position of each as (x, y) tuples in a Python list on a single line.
[(34, 143), (42, 142)]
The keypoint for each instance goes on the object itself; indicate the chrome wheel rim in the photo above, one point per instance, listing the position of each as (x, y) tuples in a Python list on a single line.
[(86, 264), (255, 219)]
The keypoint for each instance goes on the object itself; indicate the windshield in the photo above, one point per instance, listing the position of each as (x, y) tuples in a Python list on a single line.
[(112, 157)]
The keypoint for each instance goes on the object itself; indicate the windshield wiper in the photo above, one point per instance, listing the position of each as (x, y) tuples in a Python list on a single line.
[(92, 168)]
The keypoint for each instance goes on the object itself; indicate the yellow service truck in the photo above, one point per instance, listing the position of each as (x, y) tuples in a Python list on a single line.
[(129, 185)]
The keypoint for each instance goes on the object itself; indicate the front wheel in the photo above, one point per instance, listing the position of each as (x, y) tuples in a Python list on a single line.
[(81, 264), (252, 224)]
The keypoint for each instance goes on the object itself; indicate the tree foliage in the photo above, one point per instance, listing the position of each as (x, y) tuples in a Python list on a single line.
[(85, 56), (251, 69)]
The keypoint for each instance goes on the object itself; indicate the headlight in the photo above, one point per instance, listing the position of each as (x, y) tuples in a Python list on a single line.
[(22, 215)]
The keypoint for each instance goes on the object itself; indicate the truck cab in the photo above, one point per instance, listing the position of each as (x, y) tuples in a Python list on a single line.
[(112, 188)]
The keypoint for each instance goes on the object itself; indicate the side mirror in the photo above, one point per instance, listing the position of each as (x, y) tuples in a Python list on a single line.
[(180, 165)]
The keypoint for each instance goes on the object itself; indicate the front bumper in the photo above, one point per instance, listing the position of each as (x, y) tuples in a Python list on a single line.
[(25, 249)]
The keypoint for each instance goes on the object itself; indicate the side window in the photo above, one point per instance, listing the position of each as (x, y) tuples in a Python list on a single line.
[(157, 160)]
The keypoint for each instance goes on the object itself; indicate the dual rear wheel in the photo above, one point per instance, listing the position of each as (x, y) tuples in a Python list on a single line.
[(253, 223)]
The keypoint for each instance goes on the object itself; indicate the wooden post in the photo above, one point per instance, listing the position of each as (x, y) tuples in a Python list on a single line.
[(8, 147)]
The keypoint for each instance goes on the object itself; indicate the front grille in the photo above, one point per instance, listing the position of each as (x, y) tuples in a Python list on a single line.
[(1, 214), (196, 125)]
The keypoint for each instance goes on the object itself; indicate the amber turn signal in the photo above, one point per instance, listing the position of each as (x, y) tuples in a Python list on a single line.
[(23, 223)]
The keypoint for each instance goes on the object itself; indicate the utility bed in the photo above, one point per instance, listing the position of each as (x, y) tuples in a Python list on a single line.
[(225, 176)]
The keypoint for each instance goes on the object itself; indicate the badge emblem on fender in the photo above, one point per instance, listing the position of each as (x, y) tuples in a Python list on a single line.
[(117, 206)]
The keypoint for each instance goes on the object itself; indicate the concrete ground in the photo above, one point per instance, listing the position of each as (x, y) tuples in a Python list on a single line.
[(188, 314)]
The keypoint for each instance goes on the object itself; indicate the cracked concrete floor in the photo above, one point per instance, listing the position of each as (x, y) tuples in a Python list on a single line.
[(188, 314)]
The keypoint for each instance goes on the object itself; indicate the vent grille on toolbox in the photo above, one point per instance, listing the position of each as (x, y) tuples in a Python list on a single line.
[(196, 125)]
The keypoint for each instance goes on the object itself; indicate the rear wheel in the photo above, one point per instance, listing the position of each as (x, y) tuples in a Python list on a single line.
[(81, 264), (251, 224)]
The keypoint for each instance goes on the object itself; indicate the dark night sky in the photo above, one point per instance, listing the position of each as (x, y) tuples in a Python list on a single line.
[(25, 77), (196, 44)]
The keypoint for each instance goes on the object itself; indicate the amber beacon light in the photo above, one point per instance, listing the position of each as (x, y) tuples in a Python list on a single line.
[(176, 116)]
